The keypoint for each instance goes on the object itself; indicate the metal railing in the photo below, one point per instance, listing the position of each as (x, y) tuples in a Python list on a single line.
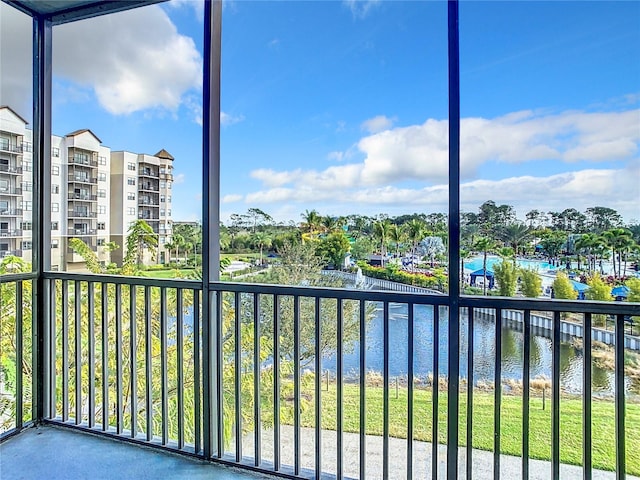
[(82, 196), (10, 233), (11, 191), (11, 168), (138, 359)]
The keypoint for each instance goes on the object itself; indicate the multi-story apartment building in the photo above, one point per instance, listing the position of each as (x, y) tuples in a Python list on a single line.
[(141, 188), (95, 194)]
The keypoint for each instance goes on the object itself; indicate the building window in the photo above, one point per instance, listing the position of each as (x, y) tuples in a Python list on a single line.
[(55, 170), (55, 189), (25, 245), (28, 205), (169, 213), (101, 242), (55, 243), (26, 225), (26, 146), (162, 240), (102, 209), (162, 199), (163, 184), (101, 226), (54, 225), (27, 166), (168, 185), (55, 207), (102, 193), (102, 177), (131, 181), (131, 196), (27, 186), (102, 160), (131, 166), (162, 212), (131, 211), (55, 152), (169, 199)]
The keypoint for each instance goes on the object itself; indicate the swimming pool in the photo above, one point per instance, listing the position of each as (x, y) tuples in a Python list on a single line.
[(475, 263)]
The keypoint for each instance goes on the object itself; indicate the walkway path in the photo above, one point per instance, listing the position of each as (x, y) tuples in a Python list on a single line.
[(511, 467)]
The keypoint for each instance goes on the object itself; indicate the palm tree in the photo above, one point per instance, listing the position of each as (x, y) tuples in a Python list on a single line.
[(619, 240), (515, 235), (381, 232), (416, 231), (311, 221), (484, 244), (140, 237), (261, 240), (396, 235)]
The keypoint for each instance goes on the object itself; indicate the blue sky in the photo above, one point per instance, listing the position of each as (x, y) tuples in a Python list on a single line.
[(341, 106)]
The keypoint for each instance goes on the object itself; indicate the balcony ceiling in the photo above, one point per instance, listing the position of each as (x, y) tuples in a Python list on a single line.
[(63, 11)]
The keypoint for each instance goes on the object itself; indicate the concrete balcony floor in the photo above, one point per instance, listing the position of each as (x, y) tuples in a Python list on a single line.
[(63, 454)]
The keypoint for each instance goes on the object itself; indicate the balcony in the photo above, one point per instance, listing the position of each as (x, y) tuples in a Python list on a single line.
[(12, 169), (253, 391), (82, 196), (10, 147), (82, 214), (6, 253), (145, 172), (10, 233), (11, 212), (83, 179), (82, 231), (11, 191), (149, 187), (81, 160)]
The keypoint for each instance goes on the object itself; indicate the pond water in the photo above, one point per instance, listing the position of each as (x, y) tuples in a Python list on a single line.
[(484, 352)]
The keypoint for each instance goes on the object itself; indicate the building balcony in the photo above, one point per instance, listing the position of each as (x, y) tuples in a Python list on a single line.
[(11, 191), (82, 231), (150, 203), (148, 187), (261, 390), (79, 160), (83, 179), (82, 196), (11, 212), (12, 169), (148, 173), (10, 233), (7, 253), (81, 214), (8, 147), (148, 216)]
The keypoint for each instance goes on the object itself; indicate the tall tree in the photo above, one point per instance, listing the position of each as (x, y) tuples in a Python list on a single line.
[(140, 237), (619, 241), (381, 232), (261, 240), (515, 235), (416, 231), (484, 244)]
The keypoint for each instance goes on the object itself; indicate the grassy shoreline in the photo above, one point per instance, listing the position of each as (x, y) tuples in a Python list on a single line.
[(603, 422)]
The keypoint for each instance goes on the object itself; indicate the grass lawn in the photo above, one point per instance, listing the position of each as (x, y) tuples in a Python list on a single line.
[(171, 273), (603, 423)]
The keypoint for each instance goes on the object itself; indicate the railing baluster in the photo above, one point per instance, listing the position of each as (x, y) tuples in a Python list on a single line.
[(219, 375), (104, 312), (276, 383), (619, 402), (385, 390), (497, 381), (19, 355), (119, 371), (363, 385), (526, 374), (470, 350), (318, 390), (78, 350), (555, 397), (65, 350), (339, 392), (148, 366), (435, 391), (133, 361), (91, 346), (238, 375), (180, 366), (196, 371), (257, 371), (410, 307), (53, 390), (296, 385), (163, 366), (586, 397)]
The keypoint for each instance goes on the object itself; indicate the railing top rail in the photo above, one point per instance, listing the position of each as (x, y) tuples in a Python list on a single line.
[(17, 277), (125, 280)]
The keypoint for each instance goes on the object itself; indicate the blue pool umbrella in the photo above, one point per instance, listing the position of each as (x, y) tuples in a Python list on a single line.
[(481, 274), (620, 292), (581, 288)]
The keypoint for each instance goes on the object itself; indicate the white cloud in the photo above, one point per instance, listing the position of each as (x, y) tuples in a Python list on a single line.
[(232, 198), (132, 61), (336, 156), (196, 5), (360, 8), (228, 119), (179, 178), (377, 124)]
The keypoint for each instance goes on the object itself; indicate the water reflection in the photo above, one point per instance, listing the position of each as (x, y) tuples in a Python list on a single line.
[(484, 351)]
